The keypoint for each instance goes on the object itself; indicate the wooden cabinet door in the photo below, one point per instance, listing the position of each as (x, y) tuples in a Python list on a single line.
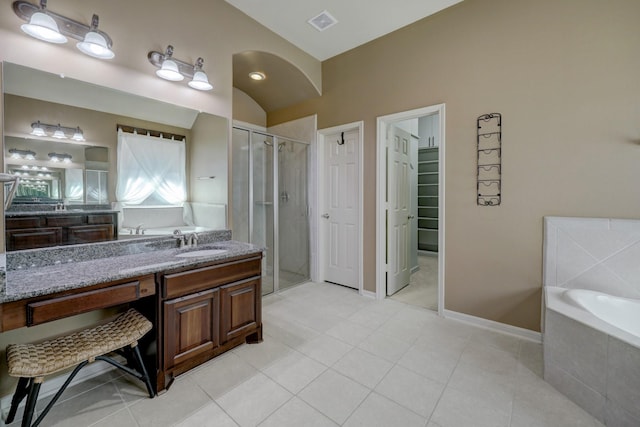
[(190, 326), (90, 233), (240, 308), (30, 238)]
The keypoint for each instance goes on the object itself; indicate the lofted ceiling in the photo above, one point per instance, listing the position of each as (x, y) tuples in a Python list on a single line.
[(358, 22), (284, 84)]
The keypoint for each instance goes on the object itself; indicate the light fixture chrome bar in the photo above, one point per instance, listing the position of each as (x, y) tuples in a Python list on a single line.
[(66, 26), (186, 69), (172, 69), (75, 132)]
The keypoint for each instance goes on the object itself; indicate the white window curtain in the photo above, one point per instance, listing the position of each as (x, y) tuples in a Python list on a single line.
[(150, 166)]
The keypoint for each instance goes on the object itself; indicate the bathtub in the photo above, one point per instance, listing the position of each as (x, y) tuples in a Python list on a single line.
[(591, 344)]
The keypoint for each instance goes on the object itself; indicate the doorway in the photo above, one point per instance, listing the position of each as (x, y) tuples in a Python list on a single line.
[(410, 207), (339, 218), (270, 203)]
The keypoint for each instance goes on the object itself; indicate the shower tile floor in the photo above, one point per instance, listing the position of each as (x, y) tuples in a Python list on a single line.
[(331, 357)]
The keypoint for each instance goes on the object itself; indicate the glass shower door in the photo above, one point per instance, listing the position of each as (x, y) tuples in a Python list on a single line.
[(240, 177), (262, 229), (293, 221)]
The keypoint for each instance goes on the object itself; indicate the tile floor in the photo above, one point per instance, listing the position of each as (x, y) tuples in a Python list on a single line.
[(331, 357), (422, 289)]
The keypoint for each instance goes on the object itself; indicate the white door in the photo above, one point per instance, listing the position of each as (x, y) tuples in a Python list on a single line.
[(398, 213), (339, 223)]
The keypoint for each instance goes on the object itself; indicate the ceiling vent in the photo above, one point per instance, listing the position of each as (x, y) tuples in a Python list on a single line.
[(322, 21)]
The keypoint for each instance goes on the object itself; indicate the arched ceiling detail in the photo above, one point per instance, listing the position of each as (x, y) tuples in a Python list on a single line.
[(285, 84)]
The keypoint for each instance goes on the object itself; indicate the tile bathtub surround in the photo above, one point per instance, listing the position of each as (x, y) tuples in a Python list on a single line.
[(599, 254), (597, 371), (322, 367)]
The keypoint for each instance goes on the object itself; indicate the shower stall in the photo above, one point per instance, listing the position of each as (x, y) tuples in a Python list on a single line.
[(270, 203)]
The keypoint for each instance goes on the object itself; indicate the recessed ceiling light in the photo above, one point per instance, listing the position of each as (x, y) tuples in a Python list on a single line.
[(322, 21), (256, 75)]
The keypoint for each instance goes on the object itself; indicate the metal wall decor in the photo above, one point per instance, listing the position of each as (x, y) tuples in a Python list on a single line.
[(489, 188)]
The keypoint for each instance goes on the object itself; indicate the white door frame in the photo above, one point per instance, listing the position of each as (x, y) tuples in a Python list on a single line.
[(381, 183), (317, 273)]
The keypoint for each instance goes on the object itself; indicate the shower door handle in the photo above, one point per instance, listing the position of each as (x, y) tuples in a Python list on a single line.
[(326, 216)]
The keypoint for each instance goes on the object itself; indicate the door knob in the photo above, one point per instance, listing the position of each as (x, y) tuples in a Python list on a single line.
[(325, 216)]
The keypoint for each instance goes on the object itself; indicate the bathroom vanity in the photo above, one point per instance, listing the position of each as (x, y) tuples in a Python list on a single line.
[(29, 230), (202, 301)]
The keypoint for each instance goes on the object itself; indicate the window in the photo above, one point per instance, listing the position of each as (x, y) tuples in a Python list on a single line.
[(151, 170)]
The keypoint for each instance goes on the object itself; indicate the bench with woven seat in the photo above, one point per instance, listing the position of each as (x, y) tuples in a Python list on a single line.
[(32, 362)]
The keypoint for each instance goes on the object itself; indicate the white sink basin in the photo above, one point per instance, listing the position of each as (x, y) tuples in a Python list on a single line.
[(204, 252)]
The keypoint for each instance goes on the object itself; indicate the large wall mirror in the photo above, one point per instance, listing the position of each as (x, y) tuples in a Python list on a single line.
[(81, 172)]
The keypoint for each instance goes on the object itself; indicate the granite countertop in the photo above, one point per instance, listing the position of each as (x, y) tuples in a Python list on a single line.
[(13, 214), (27, 282)]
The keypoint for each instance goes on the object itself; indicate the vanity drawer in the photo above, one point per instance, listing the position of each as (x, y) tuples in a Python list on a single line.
[(64, 221), (100, 219), (83, 302), (24, 222), (187, 282)]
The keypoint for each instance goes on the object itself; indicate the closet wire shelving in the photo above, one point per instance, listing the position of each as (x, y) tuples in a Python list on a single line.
[(489, 174), (428, 199)]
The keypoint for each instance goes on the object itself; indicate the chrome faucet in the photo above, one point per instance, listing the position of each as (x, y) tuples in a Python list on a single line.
[(139, 229), (177, 234), (192, 240)]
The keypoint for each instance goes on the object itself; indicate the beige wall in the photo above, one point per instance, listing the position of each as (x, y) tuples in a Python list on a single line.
[(566, 77), (211, 29), (207, 153), (247, 110)]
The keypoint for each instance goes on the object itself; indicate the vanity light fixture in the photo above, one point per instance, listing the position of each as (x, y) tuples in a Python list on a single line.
[(56, 131), (22, 154), (174, 70), (54, 28), (200, 80), (78, 135), (55, 157), (37, 130)]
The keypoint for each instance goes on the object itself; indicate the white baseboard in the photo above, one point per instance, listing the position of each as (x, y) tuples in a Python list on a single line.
[(51, 385), (368, 294), (526, 334)]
